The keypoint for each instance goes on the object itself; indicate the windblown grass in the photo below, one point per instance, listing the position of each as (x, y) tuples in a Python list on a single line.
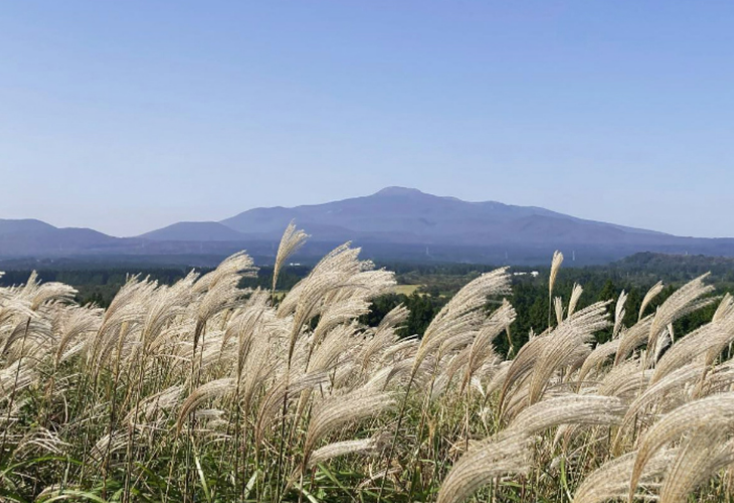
[(202, 391)]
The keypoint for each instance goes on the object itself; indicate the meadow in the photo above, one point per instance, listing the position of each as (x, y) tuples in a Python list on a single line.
[(202, 390)]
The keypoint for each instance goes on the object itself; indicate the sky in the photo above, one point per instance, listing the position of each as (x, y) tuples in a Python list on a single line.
[(129, 116)]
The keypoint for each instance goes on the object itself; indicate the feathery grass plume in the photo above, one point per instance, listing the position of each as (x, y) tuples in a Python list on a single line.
[(724, 315), (668, 392), (507, 452), (341, 261), (262, 361), (569, 409), (717, 380), (339, 313), (716, 411), (336, 344), (597, 358), (574, 300), (461, 312), (611, 480), (76, 323), (125, 310), (558, 305), (384, 335), (340, 410), (625, 381), (330, 451), (619, 313), (632, 338), (285, 387), (156, 404), (211, 390), (703, 454), (237, 265), (522, 365), (32, 336), (41, 441), (708, 340), (481, 348), (325, 279), (52, 292), (290, 243), (683, 301), (398, 375), (569, 342), (653, 292), (555, 267), (108, 444)]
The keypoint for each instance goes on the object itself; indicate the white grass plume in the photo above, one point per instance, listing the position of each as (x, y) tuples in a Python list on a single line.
[(293, 239)]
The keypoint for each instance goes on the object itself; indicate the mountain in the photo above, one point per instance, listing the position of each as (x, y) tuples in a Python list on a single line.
[(406, 223), (402, 215), (194, 231), (394, 224), (36, 238)]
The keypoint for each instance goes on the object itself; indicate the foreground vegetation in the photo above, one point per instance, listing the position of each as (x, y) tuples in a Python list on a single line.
[(206, 391)]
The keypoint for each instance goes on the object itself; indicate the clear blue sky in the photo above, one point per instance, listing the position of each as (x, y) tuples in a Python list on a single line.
[(126, 116)]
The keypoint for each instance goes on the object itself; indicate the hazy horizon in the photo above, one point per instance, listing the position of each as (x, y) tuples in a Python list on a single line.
[(127, 117)]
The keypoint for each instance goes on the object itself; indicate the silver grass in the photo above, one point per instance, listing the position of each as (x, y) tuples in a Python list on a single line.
[(211, 390), (632, 338), (558, 306), (625, 381), (162, 401), (341, 410), (237, 265), (703, 454), (523, 365), (619, 313), (715, 411), (572, 336), (108, 444), (555, 267), (460, 312), (498, 378), (338, 314), (574, 300), (597, 357), (708, 340), (383, 336), (664, 341), (41, 440), (683, 301), (569, 409), (288, 385), (78, 322), (330, 451), (611, 481), (506, 453), (509, 452), (666, 391), (293, 239), (649, 297)]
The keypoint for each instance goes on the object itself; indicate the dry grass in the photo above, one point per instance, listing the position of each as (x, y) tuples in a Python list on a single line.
[(201, 391)]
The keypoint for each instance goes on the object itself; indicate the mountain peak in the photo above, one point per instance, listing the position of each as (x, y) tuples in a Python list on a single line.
[(399, 191)]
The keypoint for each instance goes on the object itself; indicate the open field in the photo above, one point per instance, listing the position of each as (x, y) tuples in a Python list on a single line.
[(405, 289), (205, 391)]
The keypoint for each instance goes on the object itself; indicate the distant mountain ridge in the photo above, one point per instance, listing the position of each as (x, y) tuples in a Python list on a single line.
[(396, 223)]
